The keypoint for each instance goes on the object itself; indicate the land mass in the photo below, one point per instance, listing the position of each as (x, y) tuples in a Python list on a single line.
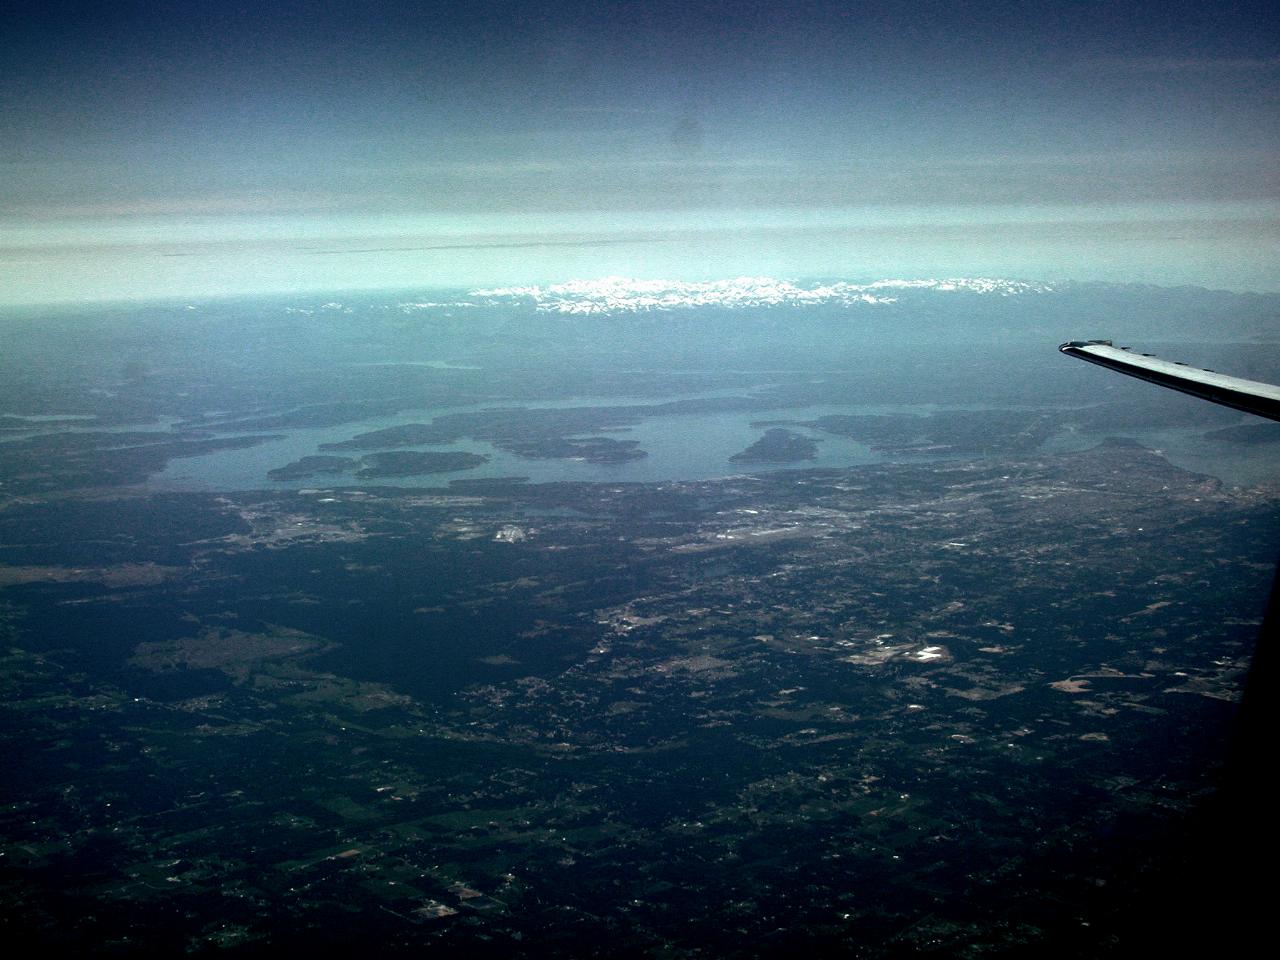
[(410, 463), (1249, 434), (312, 467), (74, 458), (778, 445), (818, 708)]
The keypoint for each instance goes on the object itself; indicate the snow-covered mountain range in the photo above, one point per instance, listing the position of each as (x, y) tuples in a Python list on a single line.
[(611, 295)]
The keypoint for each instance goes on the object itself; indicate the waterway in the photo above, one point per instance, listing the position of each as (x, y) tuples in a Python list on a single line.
[(679, 447)]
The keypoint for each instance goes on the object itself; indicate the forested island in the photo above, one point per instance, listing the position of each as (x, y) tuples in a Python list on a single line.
[(779, 445)]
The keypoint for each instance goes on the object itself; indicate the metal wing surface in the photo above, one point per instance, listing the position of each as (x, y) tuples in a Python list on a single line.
[(1252, 396)]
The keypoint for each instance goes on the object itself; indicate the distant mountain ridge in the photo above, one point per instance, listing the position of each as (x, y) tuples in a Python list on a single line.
[(627, 295), (904, 308)]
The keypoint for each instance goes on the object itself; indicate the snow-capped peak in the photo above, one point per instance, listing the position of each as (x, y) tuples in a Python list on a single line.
[(610, 295)]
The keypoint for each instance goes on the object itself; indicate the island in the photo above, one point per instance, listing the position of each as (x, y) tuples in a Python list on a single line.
[(311, 467), (411, 463), (778, 445), (402, 435), (588, 449)]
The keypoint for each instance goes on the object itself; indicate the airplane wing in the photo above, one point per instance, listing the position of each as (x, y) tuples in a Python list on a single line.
[(1251, 396)]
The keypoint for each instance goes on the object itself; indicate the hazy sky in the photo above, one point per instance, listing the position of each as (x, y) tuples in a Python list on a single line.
[(184, 148)]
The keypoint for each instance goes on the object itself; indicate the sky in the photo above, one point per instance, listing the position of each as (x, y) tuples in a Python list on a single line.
[(192, 149)]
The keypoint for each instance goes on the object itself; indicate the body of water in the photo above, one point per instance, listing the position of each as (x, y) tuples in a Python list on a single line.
[(679, 447)]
